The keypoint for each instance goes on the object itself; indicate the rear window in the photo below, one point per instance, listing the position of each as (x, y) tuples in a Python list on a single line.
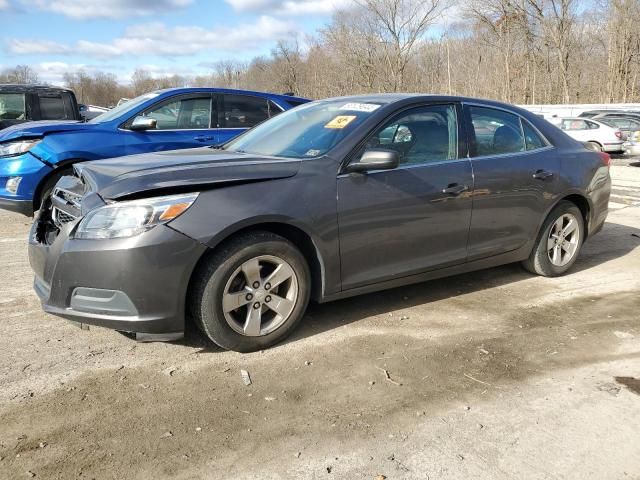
[(52, 107)]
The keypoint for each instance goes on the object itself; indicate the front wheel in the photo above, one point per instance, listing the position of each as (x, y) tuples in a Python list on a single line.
[(559, 243), (252, 293)]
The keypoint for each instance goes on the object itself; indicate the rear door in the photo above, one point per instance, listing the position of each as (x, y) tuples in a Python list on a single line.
[(516, 175), (184, 121), (395, 223), (238, 113)]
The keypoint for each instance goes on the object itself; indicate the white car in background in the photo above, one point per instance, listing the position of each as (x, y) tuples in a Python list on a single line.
[(601, 136)]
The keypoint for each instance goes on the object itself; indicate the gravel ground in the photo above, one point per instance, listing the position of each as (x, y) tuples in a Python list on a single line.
[(495, 374)]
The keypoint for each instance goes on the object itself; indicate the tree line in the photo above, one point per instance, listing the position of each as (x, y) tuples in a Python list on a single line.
[(518, 51)]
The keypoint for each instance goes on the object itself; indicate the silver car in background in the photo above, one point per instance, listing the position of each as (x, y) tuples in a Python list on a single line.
[(598, 134)]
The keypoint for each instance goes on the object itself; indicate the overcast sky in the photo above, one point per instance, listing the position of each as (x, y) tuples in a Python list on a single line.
[(163, 36)]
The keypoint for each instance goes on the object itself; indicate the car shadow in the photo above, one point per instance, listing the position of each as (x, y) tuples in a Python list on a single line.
[(614, 241)]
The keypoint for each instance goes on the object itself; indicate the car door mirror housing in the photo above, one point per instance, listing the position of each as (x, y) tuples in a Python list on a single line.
[(375, 159), (143, 123)]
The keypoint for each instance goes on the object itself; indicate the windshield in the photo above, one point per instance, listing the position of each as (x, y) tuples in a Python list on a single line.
[(307, 131), (123, 108), (12, 106)]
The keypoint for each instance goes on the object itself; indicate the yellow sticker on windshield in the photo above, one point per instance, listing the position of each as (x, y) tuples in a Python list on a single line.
[(340, 121)]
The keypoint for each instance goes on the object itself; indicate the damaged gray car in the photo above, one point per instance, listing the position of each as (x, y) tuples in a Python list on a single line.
[(332, 199)]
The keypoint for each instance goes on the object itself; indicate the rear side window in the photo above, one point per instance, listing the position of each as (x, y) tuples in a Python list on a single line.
[(496, 132), (52, 107), (532, 138), (295, 103), (592, 125), (574, 124), (244, 111)]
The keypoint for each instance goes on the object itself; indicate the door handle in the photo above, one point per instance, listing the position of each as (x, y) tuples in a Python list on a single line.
[(542, 175), (203, 138), (455, 189)]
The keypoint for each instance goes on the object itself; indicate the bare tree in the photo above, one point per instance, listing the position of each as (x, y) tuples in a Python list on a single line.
[(399, 25), (21, 74)]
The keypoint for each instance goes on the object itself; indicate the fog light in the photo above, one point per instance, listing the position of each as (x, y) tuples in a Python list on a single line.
[(12, 184)]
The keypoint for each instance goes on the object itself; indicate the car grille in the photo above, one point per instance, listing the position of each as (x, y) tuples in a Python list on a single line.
[(65, 206), (60, 218)]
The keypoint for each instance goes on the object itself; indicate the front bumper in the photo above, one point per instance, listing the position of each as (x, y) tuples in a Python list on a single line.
[(136, 284), (31, 172)]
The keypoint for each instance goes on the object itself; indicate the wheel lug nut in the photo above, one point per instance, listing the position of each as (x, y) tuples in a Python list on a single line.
[(268, 286), (249, 296), (256, 305), (267, 298), (256, 284)]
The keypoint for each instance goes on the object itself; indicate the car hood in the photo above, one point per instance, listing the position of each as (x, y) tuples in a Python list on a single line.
[(179, 171), (41, 128)]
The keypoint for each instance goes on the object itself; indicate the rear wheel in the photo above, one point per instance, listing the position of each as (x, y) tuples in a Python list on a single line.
[(252, 293), (595, 146), (559, 243)]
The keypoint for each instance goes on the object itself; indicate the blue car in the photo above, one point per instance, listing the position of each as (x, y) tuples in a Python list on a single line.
[(34, 155)]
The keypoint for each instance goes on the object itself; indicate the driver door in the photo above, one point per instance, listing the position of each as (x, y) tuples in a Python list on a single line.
[(416, 217), (182, 122)]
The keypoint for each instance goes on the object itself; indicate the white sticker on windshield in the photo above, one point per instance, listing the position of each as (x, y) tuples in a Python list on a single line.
[(360, 107), (312, 153)]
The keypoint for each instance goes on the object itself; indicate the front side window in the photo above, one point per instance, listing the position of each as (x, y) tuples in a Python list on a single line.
[(245, 111), (496, 132), (12, 106), (182, 114), (420, 135)]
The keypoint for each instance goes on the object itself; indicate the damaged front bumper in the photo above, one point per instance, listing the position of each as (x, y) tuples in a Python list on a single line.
[(137, 284)]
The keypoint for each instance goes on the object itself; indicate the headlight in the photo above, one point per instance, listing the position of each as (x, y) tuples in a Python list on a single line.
[(129, 218), (16, 148)]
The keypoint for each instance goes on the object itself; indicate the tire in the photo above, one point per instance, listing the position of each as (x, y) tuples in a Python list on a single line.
[(595, 146), (551, 254), (227, 278)]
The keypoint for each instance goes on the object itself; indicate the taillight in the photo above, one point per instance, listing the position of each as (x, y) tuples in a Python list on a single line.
[(618, 134), (606, 158)]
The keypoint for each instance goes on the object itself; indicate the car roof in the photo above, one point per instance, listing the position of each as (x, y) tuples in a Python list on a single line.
[(229, 90), (389, 98), (21, 88)]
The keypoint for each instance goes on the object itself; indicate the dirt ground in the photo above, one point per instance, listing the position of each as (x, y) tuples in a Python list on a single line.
[(496, 374)]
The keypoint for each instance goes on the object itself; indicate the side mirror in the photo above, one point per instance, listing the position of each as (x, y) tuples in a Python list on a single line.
[(375, 159), (141, 123)]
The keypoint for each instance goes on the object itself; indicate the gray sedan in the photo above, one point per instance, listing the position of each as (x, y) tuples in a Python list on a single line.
[(331, 199)]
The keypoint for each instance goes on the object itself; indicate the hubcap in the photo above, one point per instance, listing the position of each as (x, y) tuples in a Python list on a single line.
[(260, 295), (563, 240)]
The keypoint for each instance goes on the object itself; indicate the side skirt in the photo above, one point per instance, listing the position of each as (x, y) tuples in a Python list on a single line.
[(497, 260)]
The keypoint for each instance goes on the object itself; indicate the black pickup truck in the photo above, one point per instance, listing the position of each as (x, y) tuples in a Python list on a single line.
[(25, 103)]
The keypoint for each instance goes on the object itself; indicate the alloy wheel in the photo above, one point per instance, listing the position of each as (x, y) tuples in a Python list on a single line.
[(260, 295), (563, 240)]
